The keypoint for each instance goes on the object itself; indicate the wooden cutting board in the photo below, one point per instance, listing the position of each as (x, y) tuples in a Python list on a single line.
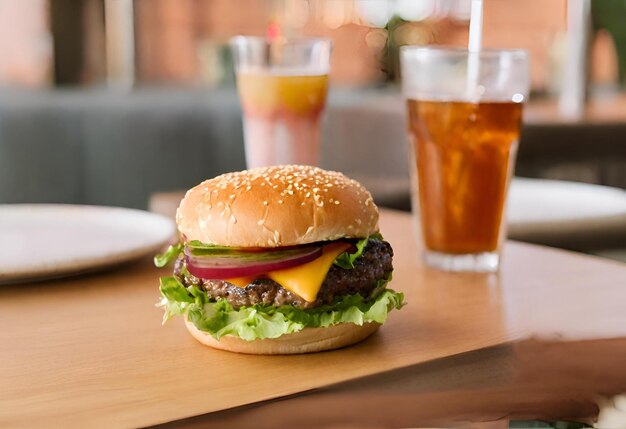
[(91, 351)]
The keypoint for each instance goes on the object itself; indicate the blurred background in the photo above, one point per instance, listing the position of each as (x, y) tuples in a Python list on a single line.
[(184, 43), (109, 101)]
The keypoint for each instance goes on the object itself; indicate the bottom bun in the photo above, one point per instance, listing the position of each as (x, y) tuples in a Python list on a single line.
[(309, 340)]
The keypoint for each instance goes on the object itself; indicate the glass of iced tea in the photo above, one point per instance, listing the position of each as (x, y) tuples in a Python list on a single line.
[(282, 87), (464, 114)]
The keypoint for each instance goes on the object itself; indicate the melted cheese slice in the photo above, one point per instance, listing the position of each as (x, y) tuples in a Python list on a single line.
[(241, 281), (304, 280)]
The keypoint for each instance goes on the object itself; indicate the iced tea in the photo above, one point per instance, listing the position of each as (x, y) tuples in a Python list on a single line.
[(464, 159)]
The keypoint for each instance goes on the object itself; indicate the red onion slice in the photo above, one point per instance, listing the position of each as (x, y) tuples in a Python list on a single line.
[(249, 263)]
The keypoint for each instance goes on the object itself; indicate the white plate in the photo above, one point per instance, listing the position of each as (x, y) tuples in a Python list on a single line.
[(42, 241), (539, 201)]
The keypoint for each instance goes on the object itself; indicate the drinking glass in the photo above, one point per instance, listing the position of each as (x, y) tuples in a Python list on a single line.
[(282, 86), (464, 112)]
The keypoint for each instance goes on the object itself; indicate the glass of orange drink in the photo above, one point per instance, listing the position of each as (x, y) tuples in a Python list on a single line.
[(464, 113), (282, 87)]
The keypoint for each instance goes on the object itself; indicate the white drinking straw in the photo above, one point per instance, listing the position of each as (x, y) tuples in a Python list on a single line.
[(474, 46)]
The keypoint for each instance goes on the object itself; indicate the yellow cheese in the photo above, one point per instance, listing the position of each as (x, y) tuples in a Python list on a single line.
[(304, 280), (241, 281)]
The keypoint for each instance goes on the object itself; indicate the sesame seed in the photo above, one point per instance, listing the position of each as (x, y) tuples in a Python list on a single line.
[(265, 203), (280, 201), (337, 203), (261, 222)]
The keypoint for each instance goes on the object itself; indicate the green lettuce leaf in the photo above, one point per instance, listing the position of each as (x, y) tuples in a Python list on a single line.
[(170, 254), (346, 260), (263, 321)]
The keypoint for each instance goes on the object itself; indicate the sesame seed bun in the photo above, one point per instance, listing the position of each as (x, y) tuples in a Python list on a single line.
[(309, 340), (277, 206)]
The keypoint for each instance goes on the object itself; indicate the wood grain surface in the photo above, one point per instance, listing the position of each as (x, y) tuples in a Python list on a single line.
[(526, 380), (91, 351)]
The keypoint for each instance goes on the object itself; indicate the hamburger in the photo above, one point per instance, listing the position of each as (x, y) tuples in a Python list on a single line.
[(279, 260)]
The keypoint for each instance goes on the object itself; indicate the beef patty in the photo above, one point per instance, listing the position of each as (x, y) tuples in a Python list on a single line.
[(373, 265)]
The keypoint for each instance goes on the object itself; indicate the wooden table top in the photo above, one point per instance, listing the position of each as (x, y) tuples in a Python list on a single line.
[(91, 351)]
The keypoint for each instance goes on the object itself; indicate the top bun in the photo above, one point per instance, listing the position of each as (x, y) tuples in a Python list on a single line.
[(277, 206)]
